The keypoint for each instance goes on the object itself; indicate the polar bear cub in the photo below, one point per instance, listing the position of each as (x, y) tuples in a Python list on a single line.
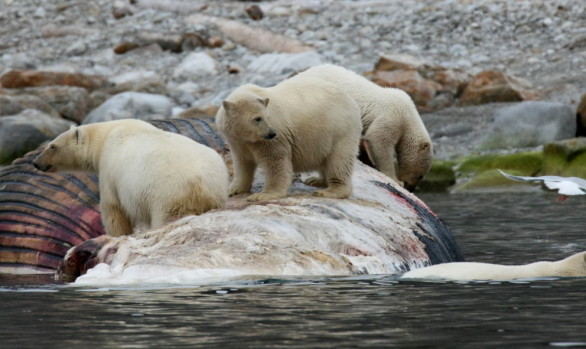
[(301, 124), (572, 266), (147, 176), (391, 124)]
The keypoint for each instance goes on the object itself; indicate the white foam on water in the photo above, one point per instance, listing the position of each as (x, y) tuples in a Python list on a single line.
[(105, 275)]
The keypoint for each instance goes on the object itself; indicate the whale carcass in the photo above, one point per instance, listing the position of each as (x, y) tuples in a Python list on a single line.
[(50, 222)]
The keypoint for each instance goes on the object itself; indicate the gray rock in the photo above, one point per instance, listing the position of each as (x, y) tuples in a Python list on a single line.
[(284, 63), (185, 93), (12, 105), (70, 102), (24, 132), (195, 66), (77, 49), (530, 124), (137, 105)]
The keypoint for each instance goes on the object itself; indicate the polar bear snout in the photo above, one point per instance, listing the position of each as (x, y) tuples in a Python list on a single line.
[(272, 134), (39, 165)]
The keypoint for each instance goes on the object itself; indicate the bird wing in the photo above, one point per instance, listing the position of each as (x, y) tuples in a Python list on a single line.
[(564, 185)]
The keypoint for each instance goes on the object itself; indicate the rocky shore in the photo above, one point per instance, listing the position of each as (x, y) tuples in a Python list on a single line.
[(466, 64)]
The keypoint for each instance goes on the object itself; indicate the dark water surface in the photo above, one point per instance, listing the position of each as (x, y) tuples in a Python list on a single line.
[(359, 312)]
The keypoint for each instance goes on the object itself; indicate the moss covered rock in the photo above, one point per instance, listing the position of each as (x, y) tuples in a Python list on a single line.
[(490, 180), (480, 173), (526, 163), (440, 178), (565, 158)]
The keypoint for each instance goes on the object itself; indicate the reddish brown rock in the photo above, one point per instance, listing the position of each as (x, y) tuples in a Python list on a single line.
[(398, 62), (421, 90), (452, 81), (215, 41), (37, 78), (254, 12), (494, 86), (124, 47)]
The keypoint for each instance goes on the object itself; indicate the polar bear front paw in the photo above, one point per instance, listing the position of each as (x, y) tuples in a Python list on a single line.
[(237, 190), (332, 194), (264, 196), (315, 182)]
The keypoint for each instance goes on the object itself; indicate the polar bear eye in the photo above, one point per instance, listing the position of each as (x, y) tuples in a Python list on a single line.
[(258, 119), (52, 147)]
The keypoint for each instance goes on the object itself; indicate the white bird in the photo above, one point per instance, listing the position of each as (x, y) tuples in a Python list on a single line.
[(565, 186)]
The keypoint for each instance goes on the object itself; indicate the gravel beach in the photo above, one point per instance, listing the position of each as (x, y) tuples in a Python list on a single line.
[(542, 41)]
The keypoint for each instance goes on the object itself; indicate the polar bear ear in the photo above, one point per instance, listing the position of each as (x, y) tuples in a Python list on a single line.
[(264, 102), (228, 106)]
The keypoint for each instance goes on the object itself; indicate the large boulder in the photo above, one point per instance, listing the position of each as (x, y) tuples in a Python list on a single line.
[(495, 86), (431, 87), (132, 105), (12, 105), (36, 78), (421, 90), (530, 124), (71, 102), (565, 158), (196, 66), (25, 131)]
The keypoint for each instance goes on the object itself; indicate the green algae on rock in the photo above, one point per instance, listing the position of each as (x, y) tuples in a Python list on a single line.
[(440, 177), (565, 158)]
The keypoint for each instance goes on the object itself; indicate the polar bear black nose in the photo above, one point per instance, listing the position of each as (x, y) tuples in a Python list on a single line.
[(40, 167), (270, 135)]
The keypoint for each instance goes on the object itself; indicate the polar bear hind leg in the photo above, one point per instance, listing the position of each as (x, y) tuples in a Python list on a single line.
[(115, 219)]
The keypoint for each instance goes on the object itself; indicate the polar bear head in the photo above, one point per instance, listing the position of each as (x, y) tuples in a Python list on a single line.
[(414, 161), (248, 119), (62, 154)]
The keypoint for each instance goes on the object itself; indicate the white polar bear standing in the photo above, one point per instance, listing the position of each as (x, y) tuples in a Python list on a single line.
[(301, 124), (147, 176), (390, 124), (572, 266)]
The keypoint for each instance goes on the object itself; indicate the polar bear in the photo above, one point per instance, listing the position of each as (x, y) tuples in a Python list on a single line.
[(572, 266), (390, 124), (147, 176), (301, 124)]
